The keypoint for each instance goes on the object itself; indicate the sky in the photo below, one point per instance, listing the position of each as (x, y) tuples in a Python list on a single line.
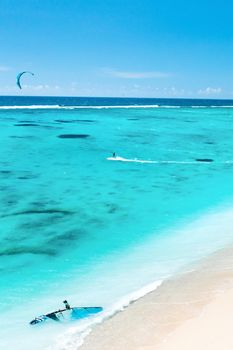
[(117, 48)]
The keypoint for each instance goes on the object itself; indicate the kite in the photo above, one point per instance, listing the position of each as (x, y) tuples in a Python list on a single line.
[(19, 77)]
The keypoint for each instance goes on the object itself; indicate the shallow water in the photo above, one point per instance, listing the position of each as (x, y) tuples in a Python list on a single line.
[(76, 225)]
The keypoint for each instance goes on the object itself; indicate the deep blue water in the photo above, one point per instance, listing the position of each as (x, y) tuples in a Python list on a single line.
[(108, 101)]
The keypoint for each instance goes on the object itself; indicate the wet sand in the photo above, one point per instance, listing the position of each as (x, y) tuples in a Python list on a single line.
[(191, 311)]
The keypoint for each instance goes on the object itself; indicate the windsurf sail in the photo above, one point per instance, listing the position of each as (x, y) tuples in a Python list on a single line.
[(67, 315)]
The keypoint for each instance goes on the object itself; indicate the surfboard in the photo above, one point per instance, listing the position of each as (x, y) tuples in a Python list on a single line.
[(67, 315)]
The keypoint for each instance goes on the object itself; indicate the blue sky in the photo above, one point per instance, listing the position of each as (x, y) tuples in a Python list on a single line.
[(135, 48)]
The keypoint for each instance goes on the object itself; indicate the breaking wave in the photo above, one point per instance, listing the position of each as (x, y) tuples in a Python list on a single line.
[(103, 107)]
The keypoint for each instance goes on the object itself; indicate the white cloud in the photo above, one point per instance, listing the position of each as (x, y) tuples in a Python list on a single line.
[(4, 69), (173, 91), (41, 87), (210, 91), (134, 75)]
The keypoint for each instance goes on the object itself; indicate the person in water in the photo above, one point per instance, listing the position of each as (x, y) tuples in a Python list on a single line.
[(67, 305), (114, 155)]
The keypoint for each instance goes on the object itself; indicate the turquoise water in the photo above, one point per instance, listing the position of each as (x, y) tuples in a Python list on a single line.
[(77, 226)]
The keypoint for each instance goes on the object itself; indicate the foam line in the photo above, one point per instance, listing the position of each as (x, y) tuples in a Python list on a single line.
[(76, 107), (105, 107), (31, 107), (76, 335)]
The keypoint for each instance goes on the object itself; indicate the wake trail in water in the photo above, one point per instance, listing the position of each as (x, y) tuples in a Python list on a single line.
[(148, 161), (135, 160)]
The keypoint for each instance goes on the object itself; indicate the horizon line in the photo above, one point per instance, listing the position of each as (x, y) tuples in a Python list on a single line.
[(122, 97)]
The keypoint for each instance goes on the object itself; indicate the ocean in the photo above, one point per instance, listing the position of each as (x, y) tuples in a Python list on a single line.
[(97, 230)]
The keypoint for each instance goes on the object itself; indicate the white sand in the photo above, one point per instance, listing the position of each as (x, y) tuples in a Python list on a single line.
[(213, 329), (191, 311)]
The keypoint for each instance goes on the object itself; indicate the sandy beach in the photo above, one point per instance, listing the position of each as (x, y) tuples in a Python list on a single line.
[(191, 311)]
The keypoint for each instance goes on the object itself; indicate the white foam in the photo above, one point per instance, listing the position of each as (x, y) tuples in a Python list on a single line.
[(127, 107), (31, 107), (74, 337), (76, 107), (164, 106), (104, 107), (213, 106), (200, 106), (221, 106)]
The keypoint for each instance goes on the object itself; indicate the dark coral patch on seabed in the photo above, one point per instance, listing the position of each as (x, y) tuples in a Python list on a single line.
[(45, 211), (28, 250), (73, 136), (27, 124), (27, 177), (5, 171), (207, 160), (22, 137), (75, 121)]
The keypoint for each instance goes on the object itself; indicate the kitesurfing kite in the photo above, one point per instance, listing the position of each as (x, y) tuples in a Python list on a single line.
[(19, 77)]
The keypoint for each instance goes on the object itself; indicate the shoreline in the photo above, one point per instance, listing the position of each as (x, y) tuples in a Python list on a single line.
[(161, 318)]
